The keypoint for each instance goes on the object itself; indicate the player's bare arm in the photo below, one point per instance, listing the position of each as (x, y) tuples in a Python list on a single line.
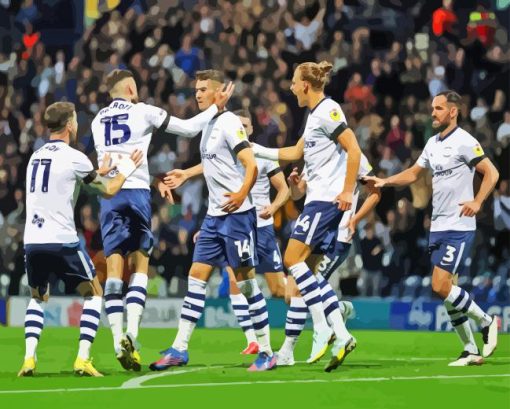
[(236, 199), (348, 141), (282, 195), (490, 178), (407, 177)]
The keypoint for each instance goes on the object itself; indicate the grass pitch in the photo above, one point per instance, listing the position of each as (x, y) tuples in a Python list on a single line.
[(387, 370)]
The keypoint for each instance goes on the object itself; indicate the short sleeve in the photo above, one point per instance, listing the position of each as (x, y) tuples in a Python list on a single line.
[(155, 116), (365, 168), (423, 160), (333, 121), (235, 134), (470, 151), (82, 167), (272, 168)]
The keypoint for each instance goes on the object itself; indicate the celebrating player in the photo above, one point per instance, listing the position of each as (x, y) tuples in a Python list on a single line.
[(228, 234), (124, 125), (268, 252), (54, 173), (329, 193), (453, 155)]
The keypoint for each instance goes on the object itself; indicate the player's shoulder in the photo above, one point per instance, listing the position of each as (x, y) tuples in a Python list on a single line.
[(329, 108), (463, 137), (228, 117)]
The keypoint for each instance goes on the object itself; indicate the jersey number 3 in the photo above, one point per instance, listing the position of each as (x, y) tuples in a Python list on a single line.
[(46, 174), (113, 124)]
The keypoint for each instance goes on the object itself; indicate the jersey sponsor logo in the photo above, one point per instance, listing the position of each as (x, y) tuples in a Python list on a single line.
[(478, 151), (310, 144), (38, 221), (209, 156), (334, 114), (447, 172), (241, 133)]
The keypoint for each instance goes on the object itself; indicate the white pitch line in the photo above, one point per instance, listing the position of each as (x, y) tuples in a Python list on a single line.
[(137, 382), (298, 381)]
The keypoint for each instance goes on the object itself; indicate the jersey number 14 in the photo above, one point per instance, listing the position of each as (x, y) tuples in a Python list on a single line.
[(113, 124)]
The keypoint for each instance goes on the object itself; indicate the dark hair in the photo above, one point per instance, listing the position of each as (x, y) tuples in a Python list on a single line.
[(452, 97), (213, 75), (57, 115), (116, 76), (243, 113)]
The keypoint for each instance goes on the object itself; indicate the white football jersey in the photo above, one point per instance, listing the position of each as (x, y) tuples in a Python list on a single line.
[(54, 174), (123, 126), (365, 169), (452, 160), (222, 138), (261, 188), (325, 170)]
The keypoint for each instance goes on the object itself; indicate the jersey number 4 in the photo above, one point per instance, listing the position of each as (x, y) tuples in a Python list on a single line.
[(113, 124), (46, 174)]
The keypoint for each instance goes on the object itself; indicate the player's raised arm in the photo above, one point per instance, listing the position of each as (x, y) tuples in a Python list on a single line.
[(369, 204), (124, 165), (177, 177), (277, 179), (289, 153)]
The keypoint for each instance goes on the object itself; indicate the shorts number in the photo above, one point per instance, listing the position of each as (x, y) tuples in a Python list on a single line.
[(111, 123), (304, 223), (324, 264), (450, 254), (245, 247)]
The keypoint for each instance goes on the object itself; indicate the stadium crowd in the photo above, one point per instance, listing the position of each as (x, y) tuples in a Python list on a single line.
[(389, 58)]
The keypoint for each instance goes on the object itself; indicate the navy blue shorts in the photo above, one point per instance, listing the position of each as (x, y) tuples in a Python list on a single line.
[(126, 222), (228, 240), (333, 258), (70, 262), (318, 224), (268, 252), (450, 249)]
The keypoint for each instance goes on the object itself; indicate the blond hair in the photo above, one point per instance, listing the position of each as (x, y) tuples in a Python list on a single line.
[(316, 74)]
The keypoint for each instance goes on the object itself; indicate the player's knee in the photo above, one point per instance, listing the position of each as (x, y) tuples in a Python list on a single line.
[(440, 288)]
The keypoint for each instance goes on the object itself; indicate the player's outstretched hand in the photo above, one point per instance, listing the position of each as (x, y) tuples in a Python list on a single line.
[(234, 202), (469, 209), (344, 201), (137, 157), (295, 177), (267, 212), (223, 95), (378, 182), (352, 228), (106, 165), (175, 178), (165, 192)]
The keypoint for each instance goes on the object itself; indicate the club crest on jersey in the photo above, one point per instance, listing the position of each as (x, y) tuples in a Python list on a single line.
[(478, 150), (334, 114), (39, 221), (241, 133)]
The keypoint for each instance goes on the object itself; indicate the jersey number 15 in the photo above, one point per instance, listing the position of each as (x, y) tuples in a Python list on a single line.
[(112, 124)]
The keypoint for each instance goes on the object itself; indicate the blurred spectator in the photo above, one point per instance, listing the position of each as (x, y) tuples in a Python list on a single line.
[(444, 19), (371, 254)]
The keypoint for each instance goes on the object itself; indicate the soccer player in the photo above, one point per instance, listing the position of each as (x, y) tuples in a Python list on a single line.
[(330, 188), (324, 261), (270, 259), (54, 175), (125, 219), (453, 156), (228, 233)]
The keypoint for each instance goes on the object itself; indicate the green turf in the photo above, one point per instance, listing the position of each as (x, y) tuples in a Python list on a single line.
[(215, 360)]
